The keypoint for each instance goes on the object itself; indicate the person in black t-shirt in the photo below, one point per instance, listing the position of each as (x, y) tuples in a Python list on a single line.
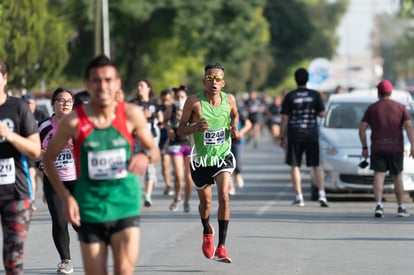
[(166, 104), (179, 149), (237, 148), (19, 140), (255, 108), (299, 133), (145, 99), (273, 118)]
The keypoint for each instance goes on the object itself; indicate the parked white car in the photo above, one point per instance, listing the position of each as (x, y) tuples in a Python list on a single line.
[(340, 146)]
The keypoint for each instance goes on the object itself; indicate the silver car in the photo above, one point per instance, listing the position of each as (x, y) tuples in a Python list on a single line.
[(340, 146), (44, 105)]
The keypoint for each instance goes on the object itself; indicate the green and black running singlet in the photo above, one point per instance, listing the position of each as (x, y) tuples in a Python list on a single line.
[(105, 189), (215, 143)]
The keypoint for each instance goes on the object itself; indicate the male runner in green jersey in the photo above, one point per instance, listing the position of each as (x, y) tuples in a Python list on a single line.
[(211, 118), (107, 195)]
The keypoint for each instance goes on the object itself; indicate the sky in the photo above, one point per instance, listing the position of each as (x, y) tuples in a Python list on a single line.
[(357, 24)]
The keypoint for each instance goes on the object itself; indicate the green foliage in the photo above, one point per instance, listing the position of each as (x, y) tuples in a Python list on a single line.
[(259, 42), (397, 38), (407, 8), (301, 30), (31, 40), (154, 38), (324, 41), (291, 29)]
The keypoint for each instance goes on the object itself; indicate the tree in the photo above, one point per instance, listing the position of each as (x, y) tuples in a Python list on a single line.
[(397, 38), (407, 8), (33, 42), (169, 41), (301, 30)]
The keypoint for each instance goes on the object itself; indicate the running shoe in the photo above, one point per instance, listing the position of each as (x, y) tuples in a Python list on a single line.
[(323, 202), (64, 267), (379, 211), (208, 244), (175, 204), (239, 181), (168, 191), (147, 201), (300, 202), (221, 255), (34, 207), (187, 208), (402, 212)]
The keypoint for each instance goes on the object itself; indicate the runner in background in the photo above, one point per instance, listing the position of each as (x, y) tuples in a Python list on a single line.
[(33, 170), (237, 148), (166, 104), (62, 104), (179, 149), (255, 109), (146, 100), (273, 119), (19, 141)]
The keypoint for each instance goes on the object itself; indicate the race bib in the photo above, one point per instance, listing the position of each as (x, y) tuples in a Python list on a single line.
[(215, 137), (173, 149), (7, 171), (107, 164), (64, 160)]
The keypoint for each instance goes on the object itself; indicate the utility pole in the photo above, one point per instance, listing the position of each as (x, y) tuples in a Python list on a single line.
[(106, 38), (98, 27), (376, 46), (102, 28)]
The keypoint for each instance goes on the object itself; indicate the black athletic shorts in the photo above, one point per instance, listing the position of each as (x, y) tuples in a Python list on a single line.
[(101, 232), (295, 152), (203, 176), (392, 162)]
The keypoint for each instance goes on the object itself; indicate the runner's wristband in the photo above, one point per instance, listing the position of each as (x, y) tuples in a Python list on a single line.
[(147, 153)]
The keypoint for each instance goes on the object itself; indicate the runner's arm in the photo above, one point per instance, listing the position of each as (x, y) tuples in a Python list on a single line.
[(410, 134), (29, 146), (185, 127), (234, 114)]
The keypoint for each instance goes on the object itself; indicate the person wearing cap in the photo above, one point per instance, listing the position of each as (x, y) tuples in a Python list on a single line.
[(386, 118), (38, 114)]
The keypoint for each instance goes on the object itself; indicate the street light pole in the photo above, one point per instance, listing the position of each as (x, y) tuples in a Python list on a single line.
[(105, 18), (98, 27)]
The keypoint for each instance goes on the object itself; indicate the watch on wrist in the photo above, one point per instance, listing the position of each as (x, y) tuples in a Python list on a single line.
[(147, 153)]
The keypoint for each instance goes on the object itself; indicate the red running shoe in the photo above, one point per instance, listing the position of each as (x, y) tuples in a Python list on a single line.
[(208, 244), (221, 255)]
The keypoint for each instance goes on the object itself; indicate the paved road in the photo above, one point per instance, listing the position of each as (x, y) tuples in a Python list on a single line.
[(266, 235)]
